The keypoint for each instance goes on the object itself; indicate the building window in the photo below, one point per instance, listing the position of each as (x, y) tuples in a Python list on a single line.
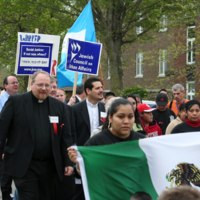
[(190, 88), (139, 64), (139, 29), (163, 23), (190, 45), (162, 62)]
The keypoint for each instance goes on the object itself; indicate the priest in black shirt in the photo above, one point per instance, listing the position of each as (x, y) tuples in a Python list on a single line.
[(34, 134)]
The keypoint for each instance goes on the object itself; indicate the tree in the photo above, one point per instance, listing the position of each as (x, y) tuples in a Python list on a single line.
[(50, 17), (117, 21)]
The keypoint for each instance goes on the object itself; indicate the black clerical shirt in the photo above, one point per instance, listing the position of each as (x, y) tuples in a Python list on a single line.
[(42, 132)]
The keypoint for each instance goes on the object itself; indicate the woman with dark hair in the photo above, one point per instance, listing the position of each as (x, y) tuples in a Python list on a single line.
[(118, 125), (179, 119), (192, 122), (117, 128), (137, 124)]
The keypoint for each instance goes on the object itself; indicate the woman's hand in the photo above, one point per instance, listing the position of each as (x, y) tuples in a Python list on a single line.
[(72, 153)]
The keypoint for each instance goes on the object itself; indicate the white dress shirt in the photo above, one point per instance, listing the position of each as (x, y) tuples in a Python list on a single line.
[(3, 98), (93, 115)]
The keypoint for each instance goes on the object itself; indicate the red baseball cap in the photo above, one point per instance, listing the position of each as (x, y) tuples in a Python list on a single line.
[(143, 107)]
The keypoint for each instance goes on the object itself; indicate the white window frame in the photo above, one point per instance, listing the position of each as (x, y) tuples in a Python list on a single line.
[(190, 89), (162, 62), (139, 65), (190, 55), (163, 24), (139, 29)]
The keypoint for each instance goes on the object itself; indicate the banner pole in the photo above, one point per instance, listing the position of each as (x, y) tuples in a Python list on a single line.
[(75, 84), (29, 77)]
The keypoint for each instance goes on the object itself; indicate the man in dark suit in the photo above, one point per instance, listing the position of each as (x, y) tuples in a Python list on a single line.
[(34, 134), (88, 116), (88, 113)]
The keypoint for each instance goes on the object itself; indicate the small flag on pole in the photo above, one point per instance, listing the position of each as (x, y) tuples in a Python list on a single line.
[(82, 29)]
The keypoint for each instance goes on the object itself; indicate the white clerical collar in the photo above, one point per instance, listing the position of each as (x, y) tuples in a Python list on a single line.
[(40, 101)]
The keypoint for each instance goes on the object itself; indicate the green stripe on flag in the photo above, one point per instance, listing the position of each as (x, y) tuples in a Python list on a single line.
[(116, 171)]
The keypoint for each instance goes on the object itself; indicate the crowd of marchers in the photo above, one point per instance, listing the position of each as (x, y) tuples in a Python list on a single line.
[(38, 129)]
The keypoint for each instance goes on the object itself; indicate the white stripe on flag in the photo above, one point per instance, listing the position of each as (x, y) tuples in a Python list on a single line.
[(164, 153)]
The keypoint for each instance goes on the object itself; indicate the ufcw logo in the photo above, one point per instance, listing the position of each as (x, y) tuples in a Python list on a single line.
[(75, 50)]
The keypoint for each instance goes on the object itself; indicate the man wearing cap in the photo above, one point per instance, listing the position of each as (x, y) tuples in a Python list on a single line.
[(162, 114), (150, 126)]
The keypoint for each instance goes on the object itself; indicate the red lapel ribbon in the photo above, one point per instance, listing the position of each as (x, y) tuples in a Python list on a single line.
[(55, 128)]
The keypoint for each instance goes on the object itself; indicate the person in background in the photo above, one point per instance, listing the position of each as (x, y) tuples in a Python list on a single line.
[(138, 98), (11, 87), (179, 119), (150, 126), (53, 87), (1, 89), (192, 121), (140, 196), (80, 94), (108, 95), (34, 134), (162, 114), (61, 95), (164, 91), (180, 193), (178, 91), (137, 125)]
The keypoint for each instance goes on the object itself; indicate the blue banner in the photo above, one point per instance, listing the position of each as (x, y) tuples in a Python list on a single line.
[(82, 29), (33, 57), (83, 56)]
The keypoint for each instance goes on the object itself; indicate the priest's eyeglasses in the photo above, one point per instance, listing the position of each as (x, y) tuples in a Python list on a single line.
[(41, 85)]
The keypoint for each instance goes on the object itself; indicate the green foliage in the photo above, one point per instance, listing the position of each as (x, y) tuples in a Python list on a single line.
[(115, 22), (135, 90)]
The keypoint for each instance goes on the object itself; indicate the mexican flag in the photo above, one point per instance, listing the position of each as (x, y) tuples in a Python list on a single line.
[(116, 171)]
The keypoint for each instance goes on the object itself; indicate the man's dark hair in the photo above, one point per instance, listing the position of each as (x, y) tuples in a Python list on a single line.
[(89, 83), (162, 90), (5, 80), (141, 196), (107, 94), (190, 103), (79, 89)]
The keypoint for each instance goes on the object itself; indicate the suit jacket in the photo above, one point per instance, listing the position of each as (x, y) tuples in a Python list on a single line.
[(77, 100), (16, 134), (82, 122)]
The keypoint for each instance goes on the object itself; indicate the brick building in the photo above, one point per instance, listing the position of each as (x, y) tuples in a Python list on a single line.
[(168, 57)]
